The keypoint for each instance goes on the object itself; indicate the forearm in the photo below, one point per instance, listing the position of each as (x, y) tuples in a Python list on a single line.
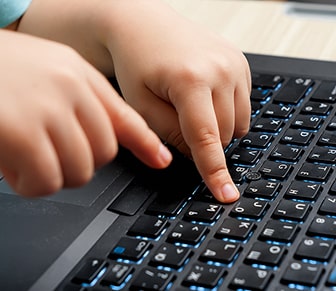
[(93, 27), (73, 23)]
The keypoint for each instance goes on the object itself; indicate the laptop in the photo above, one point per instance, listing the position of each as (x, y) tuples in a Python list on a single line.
[(135, 228), (318, 9)]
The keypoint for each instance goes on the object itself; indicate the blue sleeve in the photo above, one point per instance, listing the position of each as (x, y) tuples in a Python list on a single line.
[(11, 10)]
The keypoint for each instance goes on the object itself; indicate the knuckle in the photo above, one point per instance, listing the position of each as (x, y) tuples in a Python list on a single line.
[(217, 174), (176, 139), (67, 77), (190, 75), (68, 71), (207, 138), (185, 79)]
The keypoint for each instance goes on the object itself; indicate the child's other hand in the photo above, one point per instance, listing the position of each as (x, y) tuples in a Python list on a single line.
[(60, 118)]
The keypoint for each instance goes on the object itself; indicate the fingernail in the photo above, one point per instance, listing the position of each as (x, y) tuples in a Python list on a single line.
[(230, 193), (165, 155)]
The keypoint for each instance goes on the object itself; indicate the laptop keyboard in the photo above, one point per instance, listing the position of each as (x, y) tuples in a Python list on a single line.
[(278, 236)]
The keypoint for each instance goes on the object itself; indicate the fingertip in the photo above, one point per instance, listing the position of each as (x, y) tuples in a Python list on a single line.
[(164, 156), (46, 187), (227, 194)]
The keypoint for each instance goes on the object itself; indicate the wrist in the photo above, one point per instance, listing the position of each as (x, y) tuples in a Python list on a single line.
[(73, 23), (125, 21)]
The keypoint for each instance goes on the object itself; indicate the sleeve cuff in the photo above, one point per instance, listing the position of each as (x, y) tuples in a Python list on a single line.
[(11, 10)]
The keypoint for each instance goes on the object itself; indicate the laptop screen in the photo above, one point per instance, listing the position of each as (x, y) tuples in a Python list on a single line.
[(330, 2)]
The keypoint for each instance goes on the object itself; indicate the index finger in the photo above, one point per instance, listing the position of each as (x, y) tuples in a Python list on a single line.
[(130, 128), (199, 127)]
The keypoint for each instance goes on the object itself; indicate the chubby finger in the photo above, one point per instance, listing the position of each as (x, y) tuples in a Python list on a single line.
[(242, 103), (200, 129), (73, 150), (162, 117), (233, 111), (98, 129), (31, 165), (134, 133), (242, 111), (131, 129), (223, 105)]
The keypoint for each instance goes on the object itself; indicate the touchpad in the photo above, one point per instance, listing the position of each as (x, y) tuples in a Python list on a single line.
[(83, 196)]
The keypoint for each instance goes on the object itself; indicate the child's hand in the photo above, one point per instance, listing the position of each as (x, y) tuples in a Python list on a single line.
[(60, 118), (190, 85)]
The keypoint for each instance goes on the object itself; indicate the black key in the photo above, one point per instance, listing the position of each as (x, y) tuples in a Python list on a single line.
[(189, 233), (322, 155), (328, 138), (266, 81), (286, 153), (307, 122), (151, 279), (332, 124), (170, 256), (148, 226), (262, 188), (326, 92), (316, 108), (235, 228), (71, 287), (278, 111), (265, 254), (130, 248), (89, 271), (220, 251), (332, 189), (117, 274), (303, 190), (302, 273), (314, 172), (238, 173), (328, 206), (293, 91), (284, 288), (250, 208), (260, 94), (131, 199), (203, 212), (297, 137), (205, 195), (276, 230), (332, 277), (244, 156), (167, 205), (275, 170), (269, 125), (323, 226), (315, 249), (249, 278), (256, 140), (255, 107), (203, 275), (291, 210)]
